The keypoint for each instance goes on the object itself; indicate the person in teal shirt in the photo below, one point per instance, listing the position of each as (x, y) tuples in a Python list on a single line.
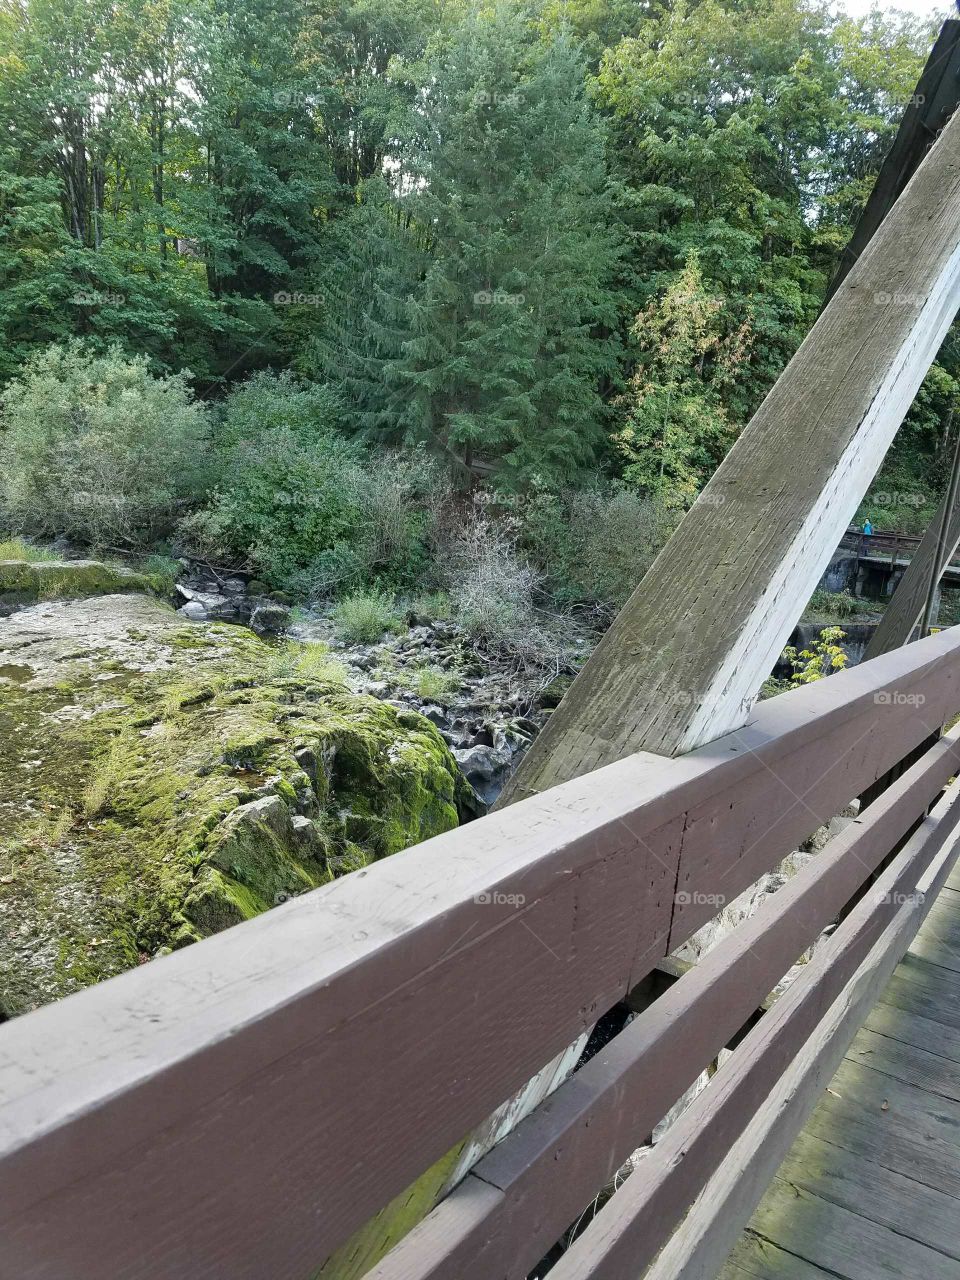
[(867, 528)]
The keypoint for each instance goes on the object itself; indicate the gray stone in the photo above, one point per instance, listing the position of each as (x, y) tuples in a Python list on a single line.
[(270, 618), (486, 769)]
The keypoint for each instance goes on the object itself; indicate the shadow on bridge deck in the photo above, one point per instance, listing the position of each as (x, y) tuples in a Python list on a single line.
[(872, 1185)]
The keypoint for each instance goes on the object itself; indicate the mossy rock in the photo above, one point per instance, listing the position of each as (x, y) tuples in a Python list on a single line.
[(159, 783), (23, 582)]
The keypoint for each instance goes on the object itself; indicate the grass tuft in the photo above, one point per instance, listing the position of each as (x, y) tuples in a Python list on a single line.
[(364, 616)]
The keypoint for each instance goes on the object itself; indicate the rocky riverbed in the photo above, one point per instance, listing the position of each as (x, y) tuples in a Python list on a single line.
[(486, 712)]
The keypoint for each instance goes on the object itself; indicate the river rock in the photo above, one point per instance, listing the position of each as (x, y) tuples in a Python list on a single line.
[(270, 618), (486, 769), (161, 780)]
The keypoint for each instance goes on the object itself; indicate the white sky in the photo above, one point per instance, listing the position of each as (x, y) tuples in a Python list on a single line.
[(925, 7)]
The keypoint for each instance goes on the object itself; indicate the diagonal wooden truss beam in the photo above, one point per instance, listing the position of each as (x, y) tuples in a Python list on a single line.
[(685, 658)]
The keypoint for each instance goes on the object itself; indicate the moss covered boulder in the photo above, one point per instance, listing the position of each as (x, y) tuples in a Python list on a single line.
[(160, 781), (24, 581)]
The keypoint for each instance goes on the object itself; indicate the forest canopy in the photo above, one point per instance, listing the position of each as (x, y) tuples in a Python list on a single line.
[(564, 244)]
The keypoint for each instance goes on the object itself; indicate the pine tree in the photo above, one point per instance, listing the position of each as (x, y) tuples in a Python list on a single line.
[(491, 308)]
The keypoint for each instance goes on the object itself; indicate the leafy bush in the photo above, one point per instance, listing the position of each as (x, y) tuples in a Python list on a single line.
[(434, 684), (308, 509), (365, 615), (268, 402), (162, 572), (594, 545), (98, 448), (823, 657), (431, 606), (827, 605)]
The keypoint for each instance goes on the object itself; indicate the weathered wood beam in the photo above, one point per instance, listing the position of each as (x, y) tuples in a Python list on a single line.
[(685, 658)]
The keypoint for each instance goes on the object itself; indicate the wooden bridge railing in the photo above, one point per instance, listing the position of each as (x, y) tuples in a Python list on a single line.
[(241, 1107)]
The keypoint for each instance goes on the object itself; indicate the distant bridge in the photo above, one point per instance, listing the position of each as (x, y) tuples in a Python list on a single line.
[(883, 556)]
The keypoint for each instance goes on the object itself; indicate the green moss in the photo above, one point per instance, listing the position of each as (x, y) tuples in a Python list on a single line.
[(17, 575), (172, 803)]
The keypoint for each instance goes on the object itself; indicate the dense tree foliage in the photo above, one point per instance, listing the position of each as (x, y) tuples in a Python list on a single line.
[(550, 240)]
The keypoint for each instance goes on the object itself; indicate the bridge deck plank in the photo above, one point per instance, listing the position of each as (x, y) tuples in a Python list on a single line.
[(872, 1185)]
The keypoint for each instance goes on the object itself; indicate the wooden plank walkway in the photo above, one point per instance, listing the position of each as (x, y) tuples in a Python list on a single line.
[(871, 1187)]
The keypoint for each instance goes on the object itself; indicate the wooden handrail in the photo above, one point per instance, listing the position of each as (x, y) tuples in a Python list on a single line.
[(682, 1164), (241, 1107)]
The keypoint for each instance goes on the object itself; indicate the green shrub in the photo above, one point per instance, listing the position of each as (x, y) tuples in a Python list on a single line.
[(98, 448), (593, 545), (311, 659), (827, 605), (823, 657), (284, 482), (431, 606), (365, 615), (276, 401), (162, 571), (307, 509)]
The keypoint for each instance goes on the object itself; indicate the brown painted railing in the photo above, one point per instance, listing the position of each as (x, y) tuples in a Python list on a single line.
[(241, 1107)]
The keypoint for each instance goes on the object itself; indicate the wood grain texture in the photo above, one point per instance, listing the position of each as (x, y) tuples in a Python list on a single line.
[(872, 1185), (554, 1163), (756, 1257), (896, 1203), (686, 656), (842, 1241), (788, 1056)]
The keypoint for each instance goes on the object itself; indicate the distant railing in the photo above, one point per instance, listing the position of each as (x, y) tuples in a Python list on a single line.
[(242, 1107), (887, 543)]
